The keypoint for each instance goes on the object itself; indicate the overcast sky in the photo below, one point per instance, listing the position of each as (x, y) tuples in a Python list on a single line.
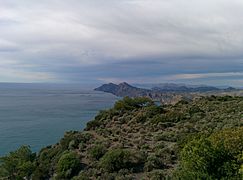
[(138, 41)]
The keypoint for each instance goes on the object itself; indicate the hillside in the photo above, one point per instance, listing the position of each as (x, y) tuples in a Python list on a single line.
[(136, 139)]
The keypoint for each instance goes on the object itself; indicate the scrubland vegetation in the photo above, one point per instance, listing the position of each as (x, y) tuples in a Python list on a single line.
[(136, 139)]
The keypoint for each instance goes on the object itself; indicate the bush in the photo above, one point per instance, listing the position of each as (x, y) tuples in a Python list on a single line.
[(46, 159), (104, 115), (201, 158), (91, 125), (115, 160), (231, 139), (72, 139), (132, 103), (154, 110), (18, 164), (68, 165), (153, 162), (140, 117), (157, 175), (195, 109), (97, 151)]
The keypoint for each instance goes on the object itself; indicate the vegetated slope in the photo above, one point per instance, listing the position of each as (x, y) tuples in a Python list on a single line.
[(201, 139)]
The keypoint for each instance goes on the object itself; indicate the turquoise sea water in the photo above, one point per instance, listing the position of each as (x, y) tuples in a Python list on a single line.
[(39, 114)]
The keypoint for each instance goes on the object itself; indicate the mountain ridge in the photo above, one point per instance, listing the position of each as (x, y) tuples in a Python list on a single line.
[(168, 94), (123, 89)]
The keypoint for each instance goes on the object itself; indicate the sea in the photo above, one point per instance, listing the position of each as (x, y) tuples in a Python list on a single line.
[(38, 115)]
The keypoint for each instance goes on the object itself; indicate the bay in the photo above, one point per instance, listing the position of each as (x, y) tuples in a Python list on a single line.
[(39, 114)]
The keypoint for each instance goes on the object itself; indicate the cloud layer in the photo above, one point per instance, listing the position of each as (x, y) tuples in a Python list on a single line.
[(126, 40)]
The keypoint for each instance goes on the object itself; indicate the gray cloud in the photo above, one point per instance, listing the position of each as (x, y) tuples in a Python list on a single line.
[(120, 40)]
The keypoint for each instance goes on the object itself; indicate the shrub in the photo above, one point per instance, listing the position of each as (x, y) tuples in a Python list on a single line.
[(72, 145), (45, 160), (195, 109), (82, 176), (157, 175), (97, 151), (140, 117), (100, 119), (91, 125), (68, 165), (231, 139), (154, 110), (18, 164), (153, 162), (116, 159), (167, 136), (201, 158), (132, 103), (72, 139)]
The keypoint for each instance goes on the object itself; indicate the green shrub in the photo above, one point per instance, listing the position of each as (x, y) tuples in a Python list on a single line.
[(153, 162), (195, 109), (68, 165), (132, 103), (82, 176), (225, 98), (97, 151), (72, 145), (47, 157), (116, 159), (201, 158), (231, 139), (101, 118), (157, 175), (154, 110), (18, 164), (72, 139), (167, 136), (141, 117), (91, 125)]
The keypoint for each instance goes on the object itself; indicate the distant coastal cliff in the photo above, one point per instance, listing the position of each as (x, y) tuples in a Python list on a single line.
[(164, 93), (124, 89)]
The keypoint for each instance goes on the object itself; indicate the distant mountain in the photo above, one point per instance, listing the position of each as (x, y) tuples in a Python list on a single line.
[(231, 89), (123, 89), (164, 93), (184, 88), (166, 85)]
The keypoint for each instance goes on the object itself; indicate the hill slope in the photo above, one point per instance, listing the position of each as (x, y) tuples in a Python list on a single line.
[(139, 140)]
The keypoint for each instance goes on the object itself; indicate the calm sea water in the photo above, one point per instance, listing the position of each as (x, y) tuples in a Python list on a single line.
[(38, 114)]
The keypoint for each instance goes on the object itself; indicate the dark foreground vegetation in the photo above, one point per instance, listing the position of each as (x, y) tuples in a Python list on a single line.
[(136, 139)]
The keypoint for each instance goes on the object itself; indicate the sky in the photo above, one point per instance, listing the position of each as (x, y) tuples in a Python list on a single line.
[(137, 41)]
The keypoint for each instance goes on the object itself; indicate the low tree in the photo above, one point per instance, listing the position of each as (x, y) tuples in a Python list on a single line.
[(215, 157), (128, 103), (18, 164), (68, 165)]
